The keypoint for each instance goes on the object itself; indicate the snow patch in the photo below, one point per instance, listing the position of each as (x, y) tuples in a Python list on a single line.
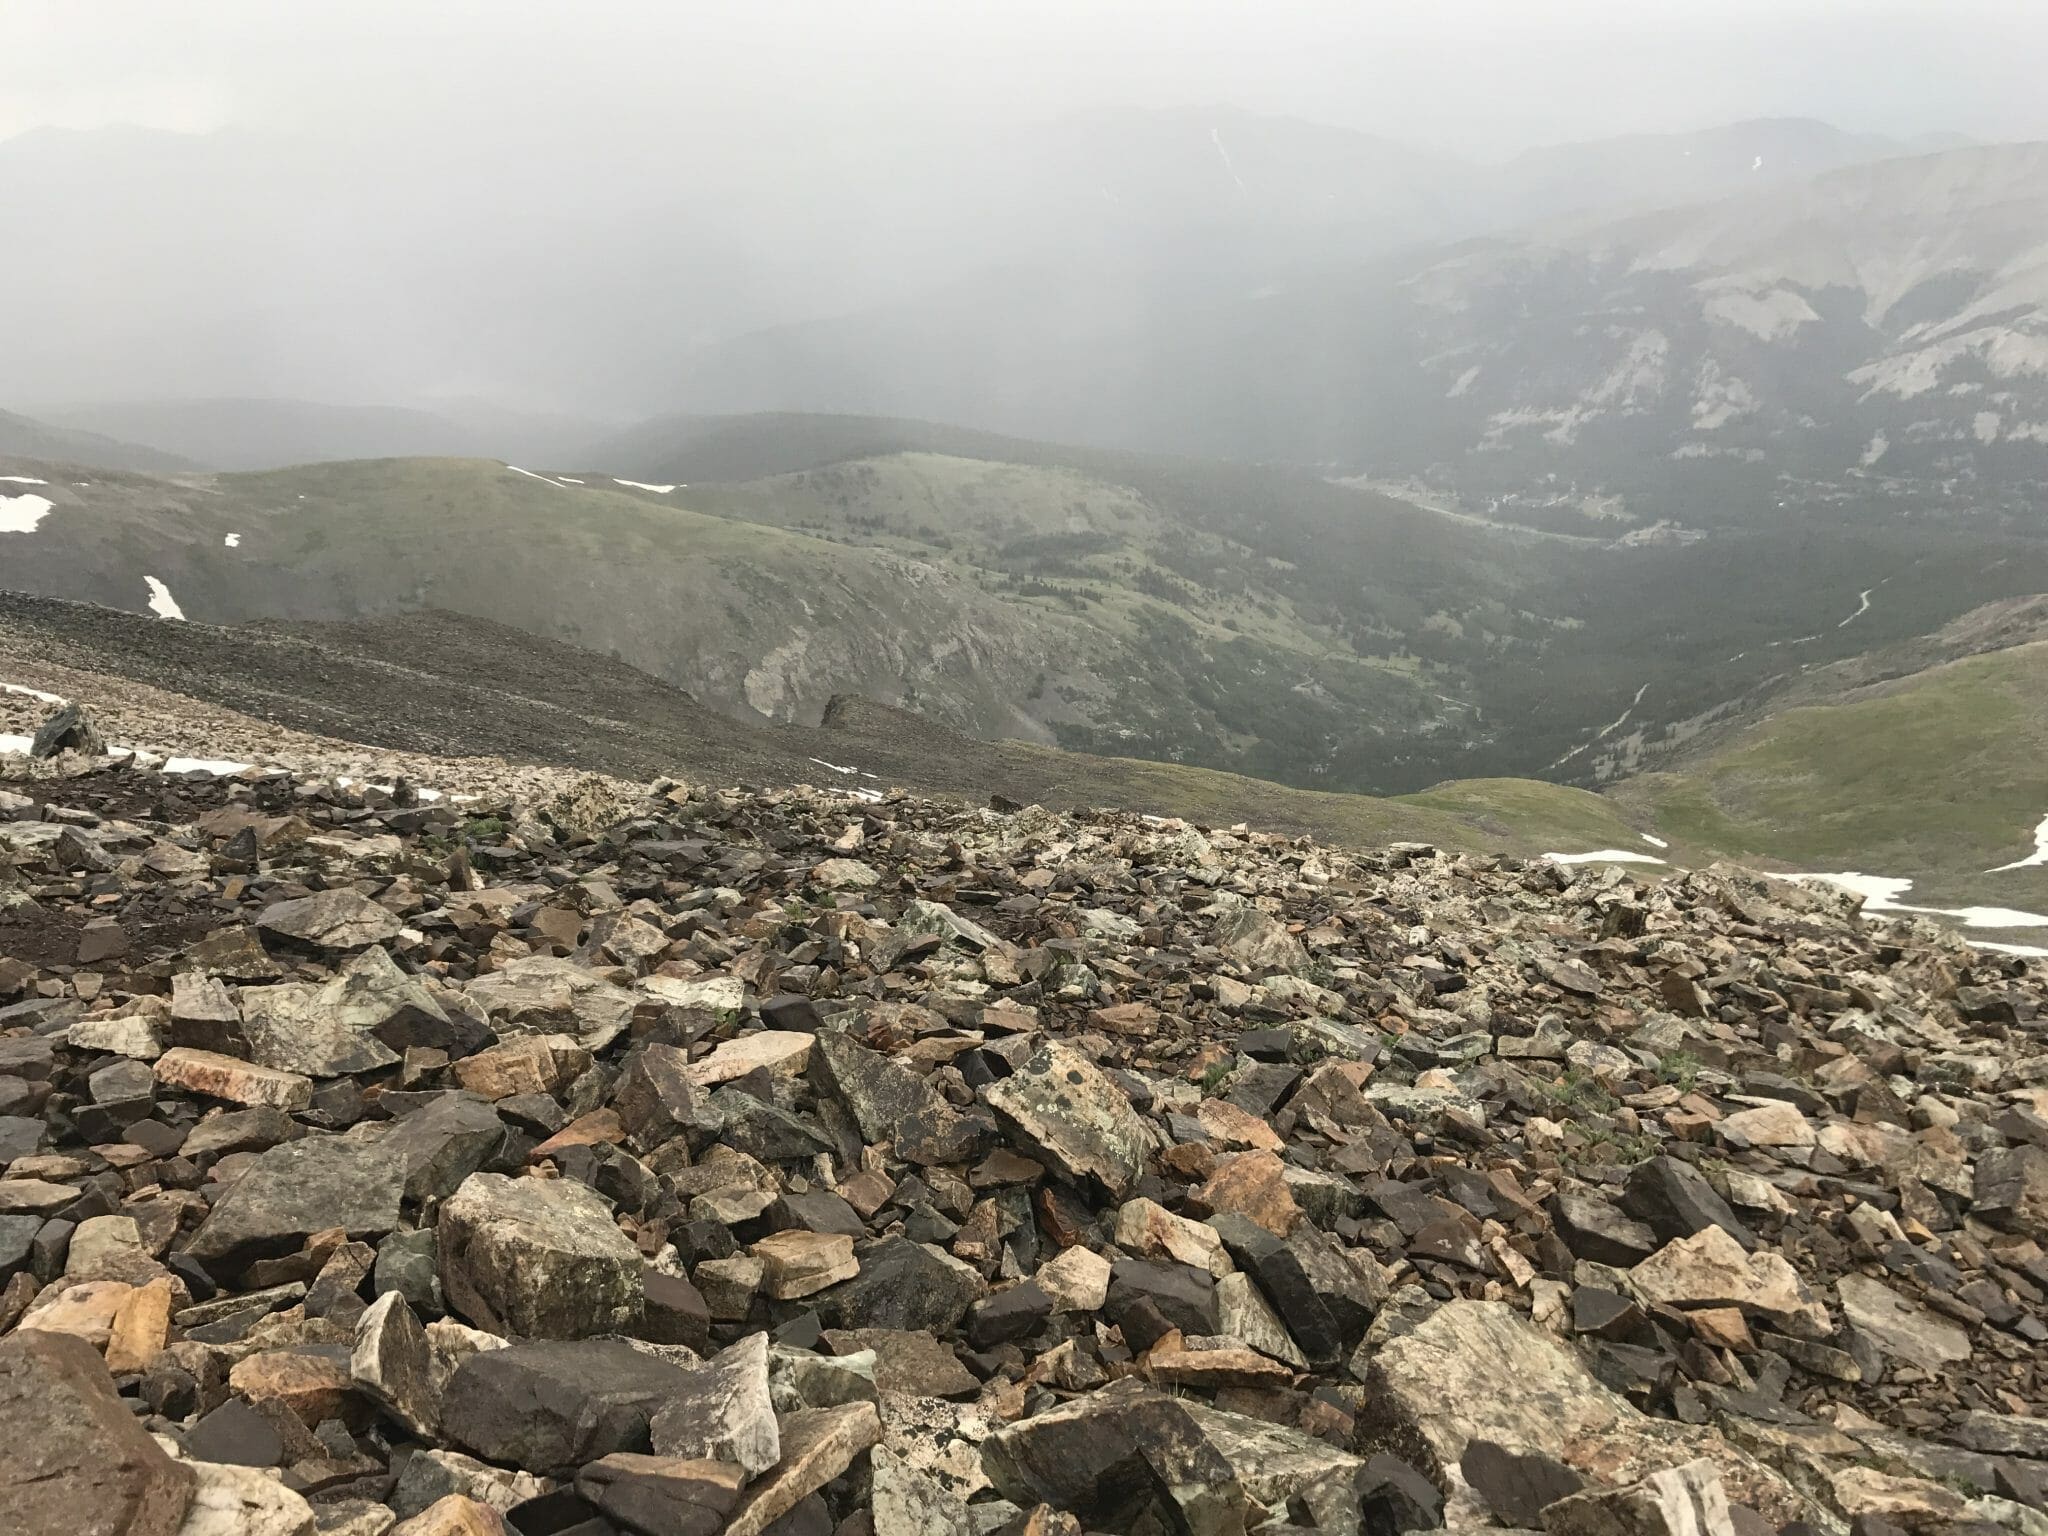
[(836, 768), (1603, 856), (641, 485), (568, 480), (1620, 720), (22, 480), (1216, 138), (1881, 893), (543, 479), (1862, 598), (2037, 857), (20, 514), (31, 693), (161, 603), (1655, 842), (234, 541), (1757, 164), (1772, 315), (1720, 400), (18, 745)]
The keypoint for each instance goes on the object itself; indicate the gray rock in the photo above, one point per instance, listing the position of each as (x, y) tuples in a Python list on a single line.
[(1126, 1454), (1475, 1370), (338, 919), (410, 1264), (1593, 1229), (2005, 1434), (230, 1500), (722, 1411), (540, 1258), (1675, 1200), (294, 1190), (2012, 1189), (655, 1097), (432, 1475), (373, 996), (1259, 943), (1685, 1500), (901, 1284), (285, 1028), (391, 1364), (71, 728), (907, 1502), (1899, 1327), (891, 1103), (442, 1143)]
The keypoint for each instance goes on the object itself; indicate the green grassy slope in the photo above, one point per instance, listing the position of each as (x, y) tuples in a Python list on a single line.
[(1938, 777), (444, 683)]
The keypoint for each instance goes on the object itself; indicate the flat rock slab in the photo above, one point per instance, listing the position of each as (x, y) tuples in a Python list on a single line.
[(1477, 1370), (338, 919), (779, 1052), (817, 1445), (669, 1494), (78, 1462), (296, 1189), (226, 1077), (1899, 1327)]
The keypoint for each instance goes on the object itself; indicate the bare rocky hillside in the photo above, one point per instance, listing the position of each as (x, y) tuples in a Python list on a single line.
[(790, 1161)]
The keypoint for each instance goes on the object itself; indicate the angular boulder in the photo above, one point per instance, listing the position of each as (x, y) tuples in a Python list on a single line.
[(1069, 1112), (78, 1461), (1476, 1370), (722, 1411), (296, 1189), (538, 1258), (554, 1405), (336, 919)]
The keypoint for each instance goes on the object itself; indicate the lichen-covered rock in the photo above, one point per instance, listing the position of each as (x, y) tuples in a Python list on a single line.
[(538, 1258)]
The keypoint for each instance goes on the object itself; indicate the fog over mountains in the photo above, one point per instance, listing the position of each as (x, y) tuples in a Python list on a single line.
[(262, 264)]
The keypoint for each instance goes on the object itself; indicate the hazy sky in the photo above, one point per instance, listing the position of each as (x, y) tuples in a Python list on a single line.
[(1478, 76)]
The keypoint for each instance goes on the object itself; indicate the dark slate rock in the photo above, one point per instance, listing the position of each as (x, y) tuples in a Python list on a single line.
[(1393, 1496), (901, 1284), (235, 1433), (1010, 1315), (1675, 1200), (553, 1405), (443, 1143), (1185, 1296), (295, 1190), (1593, 1229), (1517, 1487)]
